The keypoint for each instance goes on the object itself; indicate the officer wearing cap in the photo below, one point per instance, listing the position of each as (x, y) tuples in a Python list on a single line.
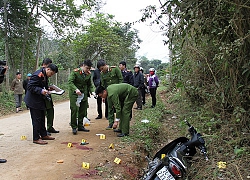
[(80, 85), (109, 75)]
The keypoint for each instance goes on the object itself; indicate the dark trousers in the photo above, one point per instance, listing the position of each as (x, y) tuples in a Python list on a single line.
[(99, 106), (153, 95), (38, 122), (143, 93), (18, 98), (139, 99)]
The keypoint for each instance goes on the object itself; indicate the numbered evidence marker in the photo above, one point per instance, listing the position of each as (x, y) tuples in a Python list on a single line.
[(102, 136), (117, 160), (111, 146), (85, 165), (163, 155), (84, 142), (23, 138), (70, 145)]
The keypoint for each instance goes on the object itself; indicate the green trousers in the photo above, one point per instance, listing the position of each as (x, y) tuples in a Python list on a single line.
[(49, 112), (126, 108), (77, 113)]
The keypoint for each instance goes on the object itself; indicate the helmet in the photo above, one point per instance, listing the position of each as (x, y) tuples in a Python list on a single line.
[(136, 66), (152, 69), (29, 74), (141, 69)]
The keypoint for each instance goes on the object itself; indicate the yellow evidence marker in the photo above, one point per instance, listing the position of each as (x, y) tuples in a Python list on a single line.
[(117, 160), (23, 138), (102, 136), (163, 155), (70, 145), (85, 165), (111, 146)]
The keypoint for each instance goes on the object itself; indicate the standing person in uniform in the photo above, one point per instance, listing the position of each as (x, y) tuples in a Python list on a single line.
[(17, 87), (97, 82), (25, 83), (122, 97), (35, 100), (143, 90), (153, 83), (80, 86), (126, 74), (109, 75), (139, 84), (49, 105)]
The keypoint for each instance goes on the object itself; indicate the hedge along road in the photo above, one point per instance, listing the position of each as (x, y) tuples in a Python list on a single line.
[(26, 160)]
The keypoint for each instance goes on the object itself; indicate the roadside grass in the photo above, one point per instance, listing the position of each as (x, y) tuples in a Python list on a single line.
[(166, 122), (8, 105)]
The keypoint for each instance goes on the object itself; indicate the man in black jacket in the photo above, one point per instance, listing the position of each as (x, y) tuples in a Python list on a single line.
[(35, 100), (126, 74), (97, 82), (139, 84)]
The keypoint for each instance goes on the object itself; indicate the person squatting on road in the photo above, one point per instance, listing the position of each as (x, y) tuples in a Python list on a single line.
[(80, 86), (122, 96), (153, 83), (37, 92), (17, 87), (109, 75)]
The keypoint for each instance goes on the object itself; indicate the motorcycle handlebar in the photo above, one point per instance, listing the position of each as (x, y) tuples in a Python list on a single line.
[(189, 125)]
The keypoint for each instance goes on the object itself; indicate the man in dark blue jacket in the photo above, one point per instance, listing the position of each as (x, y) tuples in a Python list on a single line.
[(139, 84), (37, 91)]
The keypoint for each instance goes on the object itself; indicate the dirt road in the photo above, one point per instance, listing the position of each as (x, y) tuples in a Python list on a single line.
[(29, 161)]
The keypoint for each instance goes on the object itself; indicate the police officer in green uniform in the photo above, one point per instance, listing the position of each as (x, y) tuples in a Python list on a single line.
[(109, 75), (121, 97), (80, 85)]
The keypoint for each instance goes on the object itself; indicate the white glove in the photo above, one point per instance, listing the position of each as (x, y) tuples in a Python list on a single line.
[(117, 120), (94, 94)]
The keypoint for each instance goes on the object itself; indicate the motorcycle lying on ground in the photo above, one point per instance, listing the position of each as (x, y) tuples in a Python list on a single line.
[(173, 160)]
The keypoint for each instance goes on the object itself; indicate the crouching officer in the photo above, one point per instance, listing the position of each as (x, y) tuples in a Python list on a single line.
[(122, 96), (80, 86)]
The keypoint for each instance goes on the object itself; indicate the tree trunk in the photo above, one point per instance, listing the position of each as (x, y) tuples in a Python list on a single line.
[(38, 50), (6, 41)]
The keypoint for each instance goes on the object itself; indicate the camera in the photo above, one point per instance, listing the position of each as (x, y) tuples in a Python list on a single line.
[(47, 97)]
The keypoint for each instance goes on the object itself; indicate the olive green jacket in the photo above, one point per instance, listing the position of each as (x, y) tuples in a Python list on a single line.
[(112, 76), (79, 80), (121, 94)]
